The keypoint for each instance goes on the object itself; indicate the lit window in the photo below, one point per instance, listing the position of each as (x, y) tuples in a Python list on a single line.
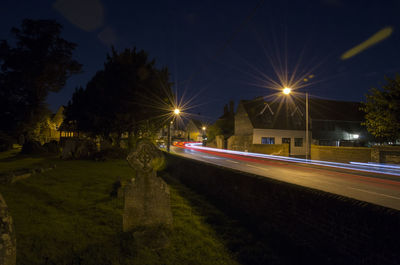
[(268, 140)]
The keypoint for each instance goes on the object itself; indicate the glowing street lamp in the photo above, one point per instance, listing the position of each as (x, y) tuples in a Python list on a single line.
[(175, 113), (287, 91)]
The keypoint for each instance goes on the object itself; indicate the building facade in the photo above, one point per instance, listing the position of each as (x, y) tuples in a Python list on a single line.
[(283, 121)]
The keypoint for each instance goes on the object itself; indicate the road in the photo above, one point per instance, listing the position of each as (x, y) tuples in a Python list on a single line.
[(355, 181)]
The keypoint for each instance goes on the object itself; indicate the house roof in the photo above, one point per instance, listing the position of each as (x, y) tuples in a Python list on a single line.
[(323, 109), (289, 113)]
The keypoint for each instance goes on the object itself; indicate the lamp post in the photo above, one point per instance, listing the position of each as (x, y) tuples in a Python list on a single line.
[(203, 142), (287, 91), (175, 113), (307, 145)]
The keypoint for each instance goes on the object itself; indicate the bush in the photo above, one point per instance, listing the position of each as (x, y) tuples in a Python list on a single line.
[(6, 142), (78, 149), (32, 148), (111, 153), (52, 147)]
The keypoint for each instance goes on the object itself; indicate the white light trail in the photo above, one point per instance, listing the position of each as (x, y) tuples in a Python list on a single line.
[(365, 167)]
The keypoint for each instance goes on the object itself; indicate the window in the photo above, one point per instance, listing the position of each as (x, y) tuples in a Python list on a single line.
[(298, 142), (268, 140)]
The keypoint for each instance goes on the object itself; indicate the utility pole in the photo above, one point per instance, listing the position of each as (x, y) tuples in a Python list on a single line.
[(307, 140), (169, 136)]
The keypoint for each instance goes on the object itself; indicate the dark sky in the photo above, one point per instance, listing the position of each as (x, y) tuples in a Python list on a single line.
[(190, 38)]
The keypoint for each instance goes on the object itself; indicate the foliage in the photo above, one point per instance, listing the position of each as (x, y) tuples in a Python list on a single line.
[(6, 142), (128, 96), (382, 108), (41, 62), (32, 148), (213, 131), (112, 152), (224, 125)]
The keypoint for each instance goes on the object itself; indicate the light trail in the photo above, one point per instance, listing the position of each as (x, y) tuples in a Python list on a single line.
[(365, 167)]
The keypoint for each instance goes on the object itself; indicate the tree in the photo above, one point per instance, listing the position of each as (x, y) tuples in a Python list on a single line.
[(41, 62), (224, 125), (129, 95), (382, 111)]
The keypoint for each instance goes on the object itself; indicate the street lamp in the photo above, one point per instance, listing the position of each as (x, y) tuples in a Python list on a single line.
[(175, 113), (204, 135), (287, 91)]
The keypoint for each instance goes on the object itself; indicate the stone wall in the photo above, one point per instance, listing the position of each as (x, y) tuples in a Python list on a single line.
[(220, 141), (244, 143), (331, 229), (240, 142), (340, 154), (385, 154), (270, 149)]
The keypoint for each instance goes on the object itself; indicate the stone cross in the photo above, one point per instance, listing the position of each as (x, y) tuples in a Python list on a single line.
[(147, 197), (8, 250)]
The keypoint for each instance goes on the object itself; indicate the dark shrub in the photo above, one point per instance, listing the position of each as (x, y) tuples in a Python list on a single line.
[(78, 149), (6, 142), (52, 147), (111, 153), (32, 148)]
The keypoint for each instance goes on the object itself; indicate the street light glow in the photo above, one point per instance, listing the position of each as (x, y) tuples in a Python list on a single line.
[(204, 128), (287, 91), (176, 111)]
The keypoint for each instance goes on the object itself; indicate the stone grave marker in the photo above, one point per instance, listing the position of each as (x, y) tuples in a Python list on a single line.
[(8, 249), (147, 198)]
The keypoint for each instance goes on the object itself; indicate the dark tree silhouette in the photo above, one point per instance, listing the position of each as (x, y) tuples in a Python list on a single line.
[(40, 62), (382, 109), (129, 95)]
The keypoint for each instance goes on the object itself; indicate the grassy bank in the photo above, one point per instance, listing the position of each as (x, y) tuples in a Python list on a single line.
[(67, 216)]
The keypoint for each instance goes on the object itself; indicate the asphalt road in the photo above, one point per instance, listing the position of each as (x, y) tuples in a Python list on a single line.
[(376, 188)]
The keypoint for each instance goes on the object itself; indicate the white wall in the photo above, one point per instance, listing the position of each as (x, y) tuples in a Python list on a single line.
[(278, 135)]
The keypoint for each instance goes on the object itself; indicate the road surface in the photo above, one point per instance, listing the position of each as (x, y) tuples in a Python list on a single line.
[(360, 182)]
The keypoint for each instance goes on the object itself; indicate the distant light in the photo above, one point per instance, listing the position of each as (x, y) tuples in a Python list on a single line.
[(177, 111), (355, 136), (287, 91), (204, 128)]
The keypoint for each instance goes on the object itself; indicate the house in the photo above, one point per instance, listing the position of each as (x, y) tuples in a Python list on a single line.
[(337, 123), (195, 130), (177, 131), (49, 130), (283, 121)]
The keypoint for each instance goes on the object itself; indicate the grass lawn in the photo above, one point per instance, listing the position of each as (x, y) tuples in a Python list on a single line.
[(66, 216), (11, 161)]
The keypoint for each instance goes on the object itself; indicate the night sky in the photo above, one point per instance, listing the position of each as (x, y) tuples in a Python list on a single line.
[(222, 50)]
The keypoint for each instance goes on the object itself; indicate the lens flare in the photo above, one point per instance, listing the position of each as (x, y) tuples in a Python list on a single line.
[(373, 40)]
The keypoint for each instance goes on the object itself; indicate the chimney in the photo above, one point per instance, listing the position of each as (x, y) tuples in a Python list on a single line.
[(231, 107)]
